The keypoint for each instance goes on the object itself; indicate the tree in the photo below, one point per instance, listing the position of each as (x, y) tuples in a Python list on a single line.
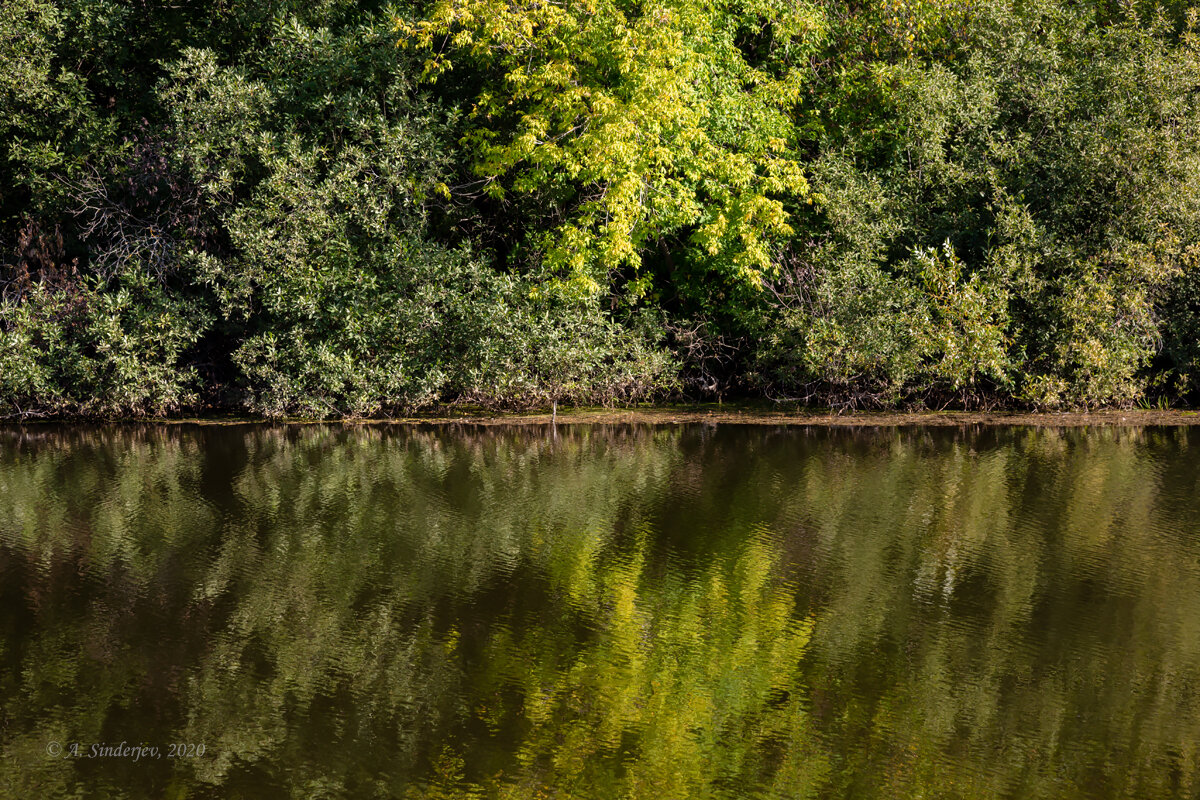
[(623, 121)]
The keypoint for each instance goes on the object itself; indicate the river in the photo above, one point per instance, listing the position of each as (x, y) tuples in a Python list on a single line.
[(599, 611)]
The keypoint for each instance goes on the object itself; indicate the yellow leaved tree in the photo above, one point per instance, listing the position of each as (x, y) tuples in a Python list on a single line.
[(627, 121)]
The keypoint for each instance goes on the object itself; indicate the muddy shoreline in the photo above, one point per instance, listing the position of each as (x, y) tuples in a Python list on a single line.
[(717, 415), (714, 414)]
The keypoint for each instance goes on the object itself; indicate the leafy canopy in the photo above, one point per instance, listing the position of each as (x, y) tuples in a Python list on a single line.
[(625, 121)]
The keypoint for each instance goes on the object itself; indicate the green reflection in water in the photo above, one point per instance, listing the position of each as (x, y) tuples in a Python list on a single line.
[(606, 612)]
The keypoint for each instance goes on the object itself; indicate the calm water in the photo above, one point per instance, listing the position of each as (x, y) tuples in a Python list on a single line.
[(612, 612)]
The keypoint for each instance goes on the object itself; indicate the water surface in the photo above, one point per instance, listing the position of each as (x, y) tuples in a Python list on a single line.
[(599, 612)]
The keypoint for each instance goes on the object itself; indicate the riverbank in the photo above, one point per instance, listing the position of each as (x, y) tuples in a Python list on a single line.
[(725, 414), (714, 414)]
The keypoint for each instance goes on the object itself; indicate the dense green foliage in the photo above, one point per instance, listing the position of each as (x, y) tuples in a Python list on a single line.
[(341, 208)]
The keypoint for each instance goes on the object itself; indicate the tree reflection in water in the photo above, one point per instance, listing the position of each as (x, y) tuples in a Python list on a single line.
[(373, 611)]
